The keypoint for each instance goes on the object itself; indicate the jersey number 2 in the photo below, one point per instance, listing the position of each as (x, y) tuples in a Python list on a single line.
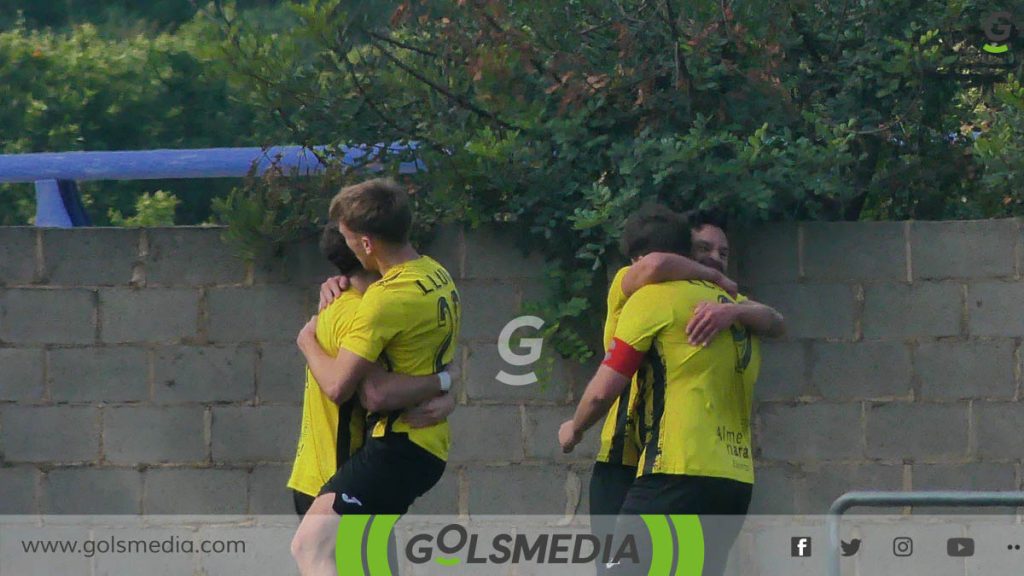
[(447, 317)]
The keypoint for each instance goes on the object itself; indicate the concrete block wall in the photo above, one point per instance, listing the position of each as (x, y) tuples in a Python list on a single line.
[(902, 366), (153, 371)]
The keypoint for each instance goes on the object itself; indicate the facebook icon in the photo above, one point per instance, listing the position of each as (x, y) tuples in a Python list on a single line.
[(800, 547)]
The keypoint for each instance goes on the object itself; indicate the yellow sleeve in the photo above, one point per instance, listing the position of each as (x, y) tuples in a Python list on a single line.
[(616, 300), (643, 317), (376, 322), (339, 327)]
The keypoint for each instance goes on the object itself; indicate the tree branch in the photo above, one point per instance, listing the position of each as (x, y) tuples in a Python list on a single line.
[(681, 75), (399, 44), (461, 100), (410, 132)]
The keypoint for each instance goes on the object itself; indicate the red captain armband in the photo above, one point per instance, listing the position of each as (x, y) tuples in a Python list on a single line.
[(623, 358)]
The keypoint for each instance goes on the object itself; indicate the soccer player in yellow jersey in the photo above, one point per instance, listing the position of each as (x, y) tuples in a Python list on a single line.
[(330, 434), (619, 452), (408, 321), (690, 418)]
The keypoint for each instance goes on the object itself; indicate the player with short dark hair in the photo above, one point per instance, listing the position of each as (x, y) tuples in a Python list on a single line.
[(634, 428), (330, 434), (408, 321)]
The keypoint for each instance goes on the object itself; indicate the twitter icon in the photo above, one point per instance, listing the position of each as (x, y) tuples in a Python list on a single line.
[(851, 548)]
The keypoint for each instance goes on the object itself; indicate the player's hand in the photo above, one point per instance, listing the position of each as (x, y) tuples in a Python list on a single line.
[(331, 289), (709, 318), (727, 284), (433, 411), (308, 333), (568, 436)]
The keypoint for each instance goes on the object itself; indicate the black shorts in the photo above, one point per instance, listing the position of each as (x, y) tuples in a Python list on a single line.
[(679, 494), (721, 504), (609, 484), (385, 476)]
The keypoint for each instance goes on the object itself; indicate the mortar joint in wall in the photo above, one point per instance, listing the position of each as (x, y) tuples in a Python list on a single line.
[(972, 438), (964, 312), (907, 250), (858, 312), (460, 251), (47, 388), (463, 483), (573, 493), (208, 433), (101, 426), (1017, 368), (151, 376), (463, 397), (863, 440), (250, 273), (203, 319), (524, 441), (39, 273), (139, 267), (800, 235), (97, 317), (1017, 251)]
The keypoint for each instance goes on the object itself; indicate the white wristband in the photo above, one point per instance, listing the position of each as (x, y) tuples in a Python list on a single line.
[(446, 380)]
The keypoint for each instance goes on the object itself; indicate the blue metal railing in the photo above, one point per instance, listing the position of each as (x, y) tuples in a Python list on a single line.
[(55, 173)]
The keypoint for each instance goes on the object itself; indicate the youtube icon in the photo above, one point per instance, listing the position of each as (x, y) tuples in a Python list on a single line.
[(960, 547)]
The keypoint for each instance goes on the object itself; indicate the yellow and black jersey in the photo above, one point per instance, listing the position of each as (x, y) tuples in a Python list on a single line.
[(330, 433), (694, 415), (619, 438), (409, 321)]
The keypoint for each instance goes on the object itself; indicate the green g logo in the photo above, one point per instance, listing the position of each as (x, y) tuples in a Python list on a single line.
[(997, 27)]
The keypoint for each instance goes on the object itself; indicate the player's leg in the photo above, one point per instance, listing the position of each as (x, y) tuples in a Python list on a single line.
[(313, 544), (314, 541), (724, 522), (645, 496), (719, 502), (609, 484), (383, 477)]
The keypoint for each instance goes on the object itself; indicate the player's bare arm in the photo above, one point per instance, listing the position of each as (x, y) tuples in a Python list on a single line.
[(340, 377), (658, 267), (601, 392), (762, 319), (431, 412), (383, 391), (710, 318)]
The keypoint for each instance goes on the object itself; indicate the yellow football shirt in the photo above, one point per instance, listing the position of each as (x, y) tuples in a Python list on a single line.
[(330, 433), (696, 411), (619, 438), (409, 320)]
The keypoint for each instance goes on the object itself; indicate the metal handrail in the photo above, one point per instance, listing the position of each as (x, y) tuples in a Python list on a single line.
[(55, 173), (885, 499)]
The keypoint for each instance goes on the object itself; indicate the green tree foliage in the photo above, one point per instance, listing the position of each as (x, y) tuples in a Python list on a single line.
[(79, 90), (155, 209), (564, 116), (111, 15)]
